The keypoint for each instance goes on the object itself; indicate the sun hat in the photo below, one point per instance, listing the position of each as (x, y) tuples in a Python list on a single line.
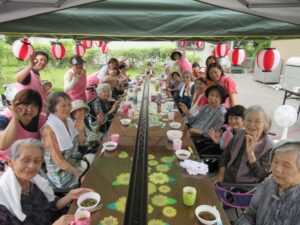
[(220, 89), (76, 60), (174, 53), (78, 104)]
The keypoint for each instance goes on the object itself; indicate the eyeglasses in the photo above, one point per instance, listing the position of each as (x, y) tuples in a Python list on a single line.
[(28, 161)]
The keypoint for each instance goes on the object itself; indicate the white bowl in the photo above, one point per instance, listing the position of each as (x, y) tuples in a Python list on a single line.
[(88, 195), (125, 121), (182, 154), (210, 209), (174, 134), (175, 125), (110, 145)]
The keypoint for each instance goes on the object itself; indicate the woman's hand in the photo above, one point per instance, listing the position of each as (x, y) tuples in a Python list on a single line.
[(115, 105), (214, 135), (196, 131), (75, 193), (79, 122), (17, 110), (251, 142), (217, 179), (64, 220)]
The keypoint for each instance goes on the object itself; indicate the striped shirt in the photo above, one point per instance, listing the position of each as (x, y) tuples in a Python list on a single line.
[(267, 207)]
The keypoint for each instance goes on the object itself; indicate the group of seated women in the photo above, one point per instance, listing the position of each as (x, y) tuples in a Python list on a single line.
[(208, 105)]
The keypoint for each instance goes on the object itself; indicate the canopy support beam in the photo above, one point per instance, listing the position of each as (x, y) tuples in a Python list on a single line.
[(269, 5)]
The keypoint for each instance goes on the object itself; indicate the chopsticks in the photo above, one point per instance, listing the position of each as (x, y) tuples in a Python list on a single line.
[(97, 208)]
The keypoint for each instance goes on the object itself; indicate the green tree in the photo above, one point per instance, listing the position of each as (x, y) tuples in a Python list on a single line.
[(253, 47)]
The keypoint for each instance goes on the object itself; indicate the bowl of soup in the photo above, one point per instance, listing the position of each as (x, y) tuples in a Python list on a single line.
[(207, 214), (110, 145), (175, 125), (182, 154), (89, 200), (125, 122)]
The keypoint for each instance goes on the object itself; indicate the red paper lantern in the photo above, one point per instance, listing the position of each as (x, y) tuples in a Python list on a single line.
[(58, 50), (87, 44), (79, 49), (182, 43), (215, 53), (104, 48), (22, 49), (199, 44), (237, 56), (222, 50), (99, 43), (268, 59)]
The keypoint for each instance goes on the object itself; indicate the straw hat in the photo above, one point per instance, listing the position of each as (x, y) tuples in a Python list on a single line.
[(78, 104)]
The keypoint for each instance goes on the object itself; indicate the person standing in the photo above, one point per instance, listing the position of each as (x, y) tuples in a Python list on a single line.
[(29, 76), (183, 64), (75, 79)]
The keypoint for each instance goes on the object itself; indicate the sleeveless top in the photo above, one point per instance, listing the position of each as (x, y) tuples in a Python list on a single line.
[(78, 90), (22, 133)]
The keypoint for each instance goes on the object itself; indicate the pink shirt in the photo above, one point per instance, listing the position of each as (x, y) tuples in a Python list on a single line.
[(78, 90), (35, 84), (22, 133), (199, 100), (184, 65), (91, 80), (230, 88)]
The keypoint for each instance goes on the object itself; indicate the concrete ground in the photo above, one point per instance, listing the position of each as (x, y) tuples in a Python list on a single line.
[(251, 92)]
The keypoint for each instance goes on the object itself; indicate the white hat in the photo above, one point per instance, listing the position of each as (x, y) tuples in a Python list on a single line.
[(77, 104)]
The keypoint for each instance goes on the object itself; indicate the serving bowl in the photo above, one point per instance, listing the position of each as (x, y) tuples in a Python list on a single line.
[(175, 125), (110, 145), (182, 154), (207, 214), (89, 200), (174, 134), (125, 121)]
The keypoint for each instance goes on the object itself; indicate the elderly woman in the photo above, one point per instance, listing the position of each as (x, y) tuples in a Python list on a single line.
[(246, 158), (75, 79), (174, 84), (22, 120), (276, 200), (61, 137), (26, 197), (215, 73), (209, 116), (103, 107), (185, 94), (199, 99)]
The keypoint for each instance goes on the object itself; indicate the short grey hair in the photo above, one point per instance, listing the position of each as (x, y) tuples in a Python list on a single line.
[(17, 146), (103, 87), (288, 146), (267, 119)]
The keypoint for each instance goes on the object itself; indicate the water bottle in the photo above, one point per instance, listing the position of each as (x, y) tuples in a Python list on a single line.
[(158, 102)]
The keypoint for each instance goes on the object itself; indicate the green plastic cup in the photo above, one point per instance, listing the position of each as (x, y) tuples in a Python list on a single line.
[(189, 196)]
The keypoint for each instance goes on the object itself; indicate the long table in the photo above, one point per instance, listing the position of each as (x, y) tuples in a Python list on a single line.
[(109, 176)]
